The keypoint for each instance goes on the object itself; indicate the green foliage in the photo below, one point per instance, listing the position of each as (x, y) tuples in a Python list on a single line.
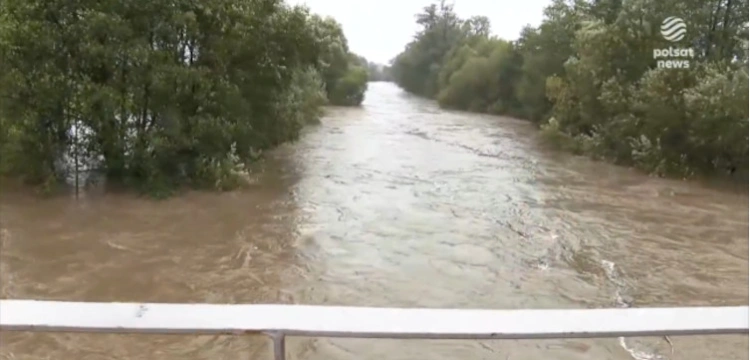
[(304, 99), (587, 75), (417, 68), (349, 90), (163, 94), (377, 72), (9, 147), (340, 69)]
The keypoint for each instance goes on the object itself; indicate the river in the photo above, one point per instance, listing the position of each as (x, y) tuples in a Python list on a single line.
[(397, 203)]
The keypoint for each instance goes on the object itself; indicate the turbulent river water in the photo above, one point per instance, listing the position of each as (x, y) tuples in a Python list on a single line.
[(397, 203)]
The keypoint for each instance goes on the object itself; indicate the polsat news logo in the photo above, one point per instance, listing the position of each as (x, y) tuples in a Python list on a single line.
[(673, 29)]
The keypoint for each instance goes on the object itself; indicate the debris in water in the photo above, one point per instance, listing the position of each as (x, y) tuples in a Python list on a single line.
[(671, 346)]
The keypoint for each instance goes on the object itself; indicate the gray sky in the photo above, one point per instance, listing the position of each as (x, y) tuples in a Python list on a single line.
[(379, 29)]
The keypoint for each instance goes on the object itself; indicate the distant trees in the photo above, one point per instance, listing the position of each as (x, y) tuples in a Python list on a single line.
[(587, 75), (161, 94), (378, 72)]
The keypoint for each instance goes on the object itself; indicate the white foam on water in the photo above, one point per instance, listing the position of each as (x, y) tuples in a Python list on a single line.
[(610, 269), (639, 355)]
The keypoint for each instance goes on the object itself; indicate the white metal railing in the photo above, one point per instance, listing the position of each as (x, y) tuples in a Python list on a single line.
[(278, 321)]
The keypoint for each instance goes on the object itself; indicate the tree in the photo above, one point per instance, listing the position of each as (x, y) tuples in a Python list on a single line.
[(417, 68), (339, 67), (588, 75), (165, 93)]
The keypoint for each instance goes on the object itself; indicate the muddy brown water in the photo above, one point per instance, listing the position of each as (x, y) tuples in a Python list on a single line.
[(401, 204)]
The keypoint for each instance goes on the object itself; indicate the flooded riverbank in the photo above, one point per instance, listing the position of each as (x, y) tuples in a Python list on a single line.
[(397, 203)]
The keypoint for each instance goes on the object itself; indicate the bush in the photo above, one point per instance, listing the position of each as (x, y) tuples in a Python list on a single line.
[(350, 89)]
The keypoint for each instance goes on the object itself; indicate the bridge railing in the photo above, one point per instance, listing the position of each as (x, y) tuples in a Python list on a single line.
[(278, 321)]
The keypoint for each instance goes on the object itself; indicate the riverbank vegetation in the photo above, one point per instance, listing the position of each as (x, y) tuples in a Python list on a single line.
[(589, 78), (379, 72), (162, 94)]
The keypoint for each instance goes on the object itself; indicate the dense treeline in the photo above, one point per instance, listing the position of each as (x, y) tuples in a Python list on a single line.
[(159, 94), (375, 71), (379, 72), (589, 77)]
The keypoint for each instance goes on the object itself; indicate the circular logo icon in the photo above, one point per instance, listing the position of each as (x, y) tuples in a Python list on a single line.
[(673, 28)]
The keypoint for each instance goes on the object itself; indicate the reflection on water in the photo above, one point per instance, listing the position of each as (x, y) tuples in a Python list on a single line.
[(397, 203)]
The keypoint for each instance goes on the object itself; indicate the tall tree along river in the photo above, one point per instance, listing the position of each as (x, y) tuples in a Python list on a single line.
[(396, 203)]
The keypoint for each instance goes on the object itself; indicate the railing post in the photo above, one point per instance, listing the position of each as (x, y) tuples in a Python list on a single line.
[(279, 346)]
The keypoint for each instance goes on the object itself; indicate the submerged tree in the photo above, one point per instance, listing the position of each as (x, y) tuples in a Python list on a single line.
[(169, 92)]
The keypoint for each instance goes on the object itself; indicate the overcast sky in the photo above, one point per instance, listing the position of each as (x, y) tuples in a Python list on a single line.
[(379, 29)]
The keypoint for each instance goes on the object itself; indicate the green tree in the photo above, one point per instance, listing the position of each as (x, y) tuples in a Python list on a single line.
[(340, 68), (165, 93), (417, 68), (588, 75)]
